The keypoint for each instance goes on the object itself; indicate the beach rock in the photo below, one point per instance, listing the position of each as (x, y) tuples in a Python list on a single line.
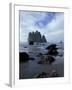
[(53, 52), (48, 75), (42, 75), (52, 46), (30, 52), (23, 57), (47, 60), (25, 47), (39, 55), (60, 55), (31, 58), (31, 43), (54, 74)]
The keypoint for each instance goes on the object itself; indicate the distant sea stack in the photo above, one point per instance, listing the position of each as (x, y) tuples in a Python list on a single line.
[(36, 37)]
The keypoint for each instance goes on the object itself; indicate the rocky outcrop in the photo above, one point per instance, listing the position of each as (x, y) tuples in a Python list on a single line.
[(42, 75), (53, 73), (31, 42), (52, 46), (39, 55), (23, 57), (36, 37), (46, 60), (52, 50)]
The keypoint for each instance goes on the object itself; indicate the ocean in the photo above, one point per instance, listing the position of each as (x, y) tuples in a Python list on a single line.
[(31, 68)]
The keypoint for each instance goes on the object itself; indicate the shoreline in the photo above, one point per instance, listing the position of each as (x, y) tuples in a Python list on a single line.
[(59, 68), (32, 68)]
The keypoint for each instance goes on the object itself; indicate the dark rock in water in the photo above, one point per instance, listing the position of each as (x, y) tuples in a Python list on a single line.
[(52, 46), (23, 57), (25, 47), (43, 44), (48, 75), (31, 43), (39, 55), (42, 75), (30, 52), (47, 60), (54, 74), (41, 62), (53, 52), (31, 58), (60, 55)]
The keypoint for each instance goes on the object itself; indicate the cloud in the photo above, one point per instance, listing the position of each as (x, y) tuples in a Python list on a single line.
[(51, 24), (56, 28)]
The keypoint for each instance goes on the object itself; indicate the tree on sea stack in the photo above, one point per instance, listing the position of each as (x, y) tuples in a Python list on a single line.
[(31, 38), (43, 40), (36, 37)]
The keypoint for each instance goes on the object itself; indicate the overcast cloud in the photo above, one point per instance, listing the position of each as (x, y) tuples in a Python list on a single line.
[(51, 24)]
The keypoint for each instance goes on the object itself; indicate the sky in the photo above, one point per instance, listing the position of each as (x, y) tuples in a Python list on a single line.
[(50, 24)]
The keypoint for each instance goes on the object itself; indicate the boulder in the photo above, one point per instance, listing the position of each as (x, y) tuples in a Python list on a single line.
[(53, 52), (52, 46), (23, 57), (39, 55), (42, 75), (31, 58), (60, 55), (54, 74), (25, 47), (47, 60), (31, 43), (48, 75)]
